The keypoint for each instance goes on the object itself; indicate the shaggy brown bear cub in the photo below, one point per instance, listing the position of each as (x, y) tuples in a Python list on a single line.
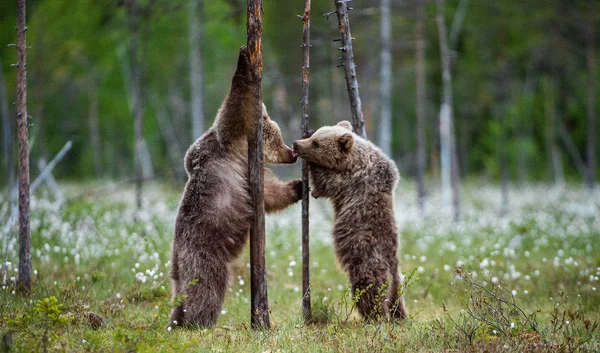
[(360, 181), (214, 213)]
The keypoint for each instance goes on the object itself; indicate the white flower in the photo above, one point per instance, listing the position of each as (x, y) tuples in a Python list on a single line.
[(514, 292), (169, 329), (118, 295), (292, 263), (446, 268), (512, 325), (174, 322)]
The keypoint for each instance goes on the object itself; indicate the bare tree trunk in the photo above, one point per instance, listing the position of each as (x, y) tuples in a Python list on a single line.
[(94, 121), (196, 74), (141, 155), (305, 187), (358, 121), (385, 88), (591, 107), (555, 166), (168, 132), (24, 231), (449, 186), (258, 272), (572, 149), (7, 132), (421, 101)]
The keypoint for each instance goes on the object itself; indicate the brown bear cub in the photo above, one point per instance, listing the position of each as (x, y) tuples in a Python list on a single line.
[(360, 181), (214, 213)]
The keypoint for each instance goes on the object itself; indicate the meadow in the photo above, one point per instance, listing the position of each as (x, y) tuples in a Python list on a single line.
[(521, 280)]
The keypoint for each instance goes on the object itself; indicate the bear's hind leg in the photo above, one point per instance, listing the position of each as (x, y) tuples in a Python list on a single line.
[(371, 285), (205, 294)]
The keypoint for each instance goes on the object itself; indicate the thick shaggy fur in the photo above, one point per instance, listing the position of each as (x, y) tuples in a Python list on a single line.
[(214, 213), (360, 181)]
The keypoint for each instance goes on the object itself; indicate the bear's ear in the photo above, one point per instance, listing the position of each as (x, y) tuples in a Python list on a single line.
[(345, 142), (345, 124)]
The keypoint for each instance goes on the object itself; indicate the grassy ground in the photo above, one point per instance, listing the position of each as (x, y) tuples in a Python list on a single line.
[(529, 277)]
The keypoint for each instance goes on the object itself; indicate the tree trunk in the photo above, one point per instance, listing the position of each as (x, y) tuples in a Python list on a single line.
[(7, 132), (141, 155), (94, 121), (555, 168), (385, 88), (196, 74), (24, 231), (421, 102), (449, 186), (358, 121), (258, 273), (305, 187), (591, 107)]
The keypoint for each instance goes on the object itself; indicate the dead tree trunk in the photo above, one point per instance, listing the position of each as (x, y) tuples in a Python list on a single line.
[(591, 106), (305, 188), (94, 121), (358, 121), (420, 108), (7, 132), (24, 231), (385, 77), (258, 273), (447, 150), (196, 74)]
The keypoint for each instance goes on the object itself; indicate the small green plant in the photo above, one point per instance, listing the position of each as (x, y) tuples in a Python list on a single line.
[(494, 307), (48, 318)]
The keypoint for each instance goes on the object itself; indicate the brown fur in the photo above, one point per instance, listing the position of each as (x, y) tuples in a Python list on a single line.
[(214, 213), (360, 181)]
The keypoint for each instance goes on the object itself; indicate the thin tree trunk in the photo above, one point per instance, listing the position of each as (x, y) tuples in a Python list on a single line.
[(305, 187), (449, 186), (259, 304), (141, 155), (196, 74), (7, 132), (571, 148), (358, 121), (591, 107), (94, 121), (385, 88), (24, 231), (555, 167), (421, 101)]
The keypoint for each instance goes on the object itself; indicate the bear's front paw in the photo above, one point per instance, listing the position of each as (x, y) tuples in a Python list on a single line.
[(298, 189)]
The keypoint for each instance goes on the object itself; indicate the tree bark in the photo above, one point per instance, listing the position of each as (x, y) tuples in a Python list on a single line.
[(305, 187), (591, 106), (24, 230), (258, 273), (385, 88), (358, 121), (94, 122), (421, 101), (7, 132), (447, 149), (196, 74)]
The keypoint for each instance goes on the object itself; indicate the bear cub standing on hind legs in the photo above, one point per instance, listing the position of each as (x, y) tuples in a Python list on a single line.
[(360, 181), (214, 213)]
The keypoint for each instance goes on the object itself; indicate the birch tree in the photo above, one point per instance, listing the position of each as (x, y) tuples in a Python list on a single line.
[(421, 101), (385, 77), (196, 74), (447, 148)]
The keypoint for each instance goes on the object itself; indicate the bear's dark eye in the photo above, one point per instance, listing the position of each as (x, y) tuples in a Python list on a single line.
[(315, 144)]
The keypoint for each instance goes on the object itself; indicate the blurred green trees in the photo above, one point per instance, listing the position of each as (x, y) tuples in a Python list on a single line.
[(515, 63)]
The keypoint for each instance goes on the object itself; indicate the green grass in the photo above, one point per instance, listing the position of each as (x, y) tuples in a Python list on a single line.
[(98, 255)]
